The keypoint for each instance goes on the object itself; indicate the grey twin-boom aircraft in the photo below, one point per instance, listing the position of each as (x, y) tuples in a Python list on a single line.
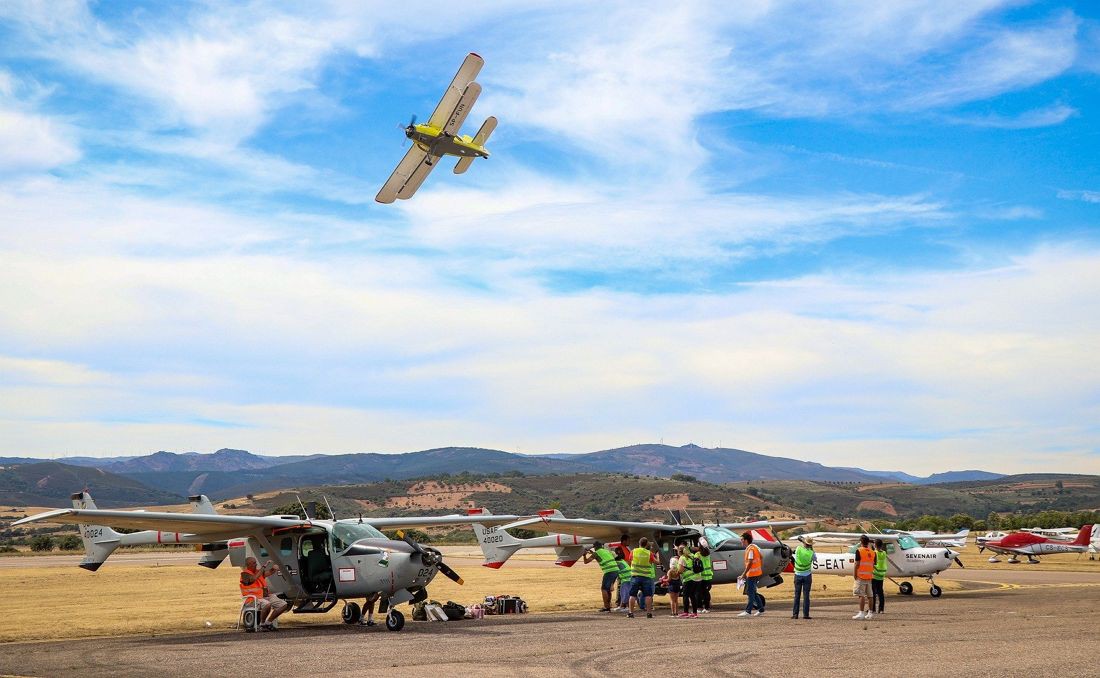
[(321, 562)]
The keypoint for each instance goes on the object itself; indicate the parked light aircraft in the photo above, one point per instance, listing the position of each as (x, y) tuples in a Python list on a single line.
[(1055, 533), (439, 136), (321, 562), (1033, 546), (905, 558), (933, 539), (724, 540)]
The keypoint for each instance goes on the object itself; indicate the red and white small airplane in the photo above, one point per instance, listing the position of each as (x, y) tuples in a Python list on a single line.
[(1033, 546)]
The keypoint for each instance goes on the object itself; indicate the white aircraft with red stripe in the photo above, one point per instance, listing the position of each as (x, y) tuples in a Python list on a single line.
[(498, 545), (905, 559)]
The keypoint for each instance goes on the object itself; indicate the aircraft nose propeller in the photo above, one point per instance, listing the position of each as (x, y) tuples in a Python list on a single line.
[(408, 129), (431, 558)]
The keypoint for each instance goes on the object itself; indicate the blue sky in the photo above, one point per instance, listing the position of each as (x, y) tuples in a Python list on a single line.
[(858, 233)]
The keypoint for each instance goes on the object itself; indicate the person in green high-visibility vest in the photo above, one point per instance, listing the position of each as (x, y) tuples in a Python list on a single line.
[(804, 558), (878, 575), (708, 579), (642, 565), (691, 574), (603, 555)]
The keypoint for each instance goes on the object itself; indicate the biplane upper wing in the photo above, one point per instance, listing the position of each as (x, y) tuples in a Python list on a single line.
[(466, 74), (412, 163), (462, 108)]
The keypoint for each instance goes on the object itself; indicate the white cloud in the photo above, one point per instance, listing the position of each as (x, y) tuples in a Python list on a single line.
[(29, 141), (1086, 196), (1041, 117)]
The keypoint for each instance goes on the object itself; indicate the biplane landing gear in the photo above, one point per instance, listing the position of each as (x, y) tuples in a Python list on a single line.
[(906, 588), (395, 621), (351, 613)]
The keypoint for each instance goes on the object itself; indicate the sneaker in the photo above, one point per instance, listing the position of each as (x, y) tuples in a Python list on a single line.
[(266, 627), (693, 616), (794, 616), (366, 622), (743, 614), (683, 615), (868, 615), (630, 615), (807, 617), (859, 615), (605, 609), (757, 613), (704, 611)]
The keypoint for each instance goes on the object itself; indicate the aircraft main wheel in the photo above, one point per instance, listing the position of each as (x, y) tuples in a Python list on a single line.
[(351, 614), (763, 602), (935, 591), (395, 621), (906, 588)]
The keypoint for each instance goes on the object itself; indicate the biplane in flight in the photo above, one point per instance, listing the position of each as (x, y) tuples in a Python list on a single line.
[(439, 136)]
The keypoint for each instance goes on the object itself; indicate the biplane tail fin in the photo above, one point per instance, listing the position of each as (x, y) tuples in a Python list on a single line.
[(463, 164), (100, 541), (496, 545), (480, 138)]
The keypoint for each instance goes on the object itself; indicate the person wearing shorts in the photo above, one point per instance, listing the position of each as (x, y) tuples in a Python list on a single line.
[(865, 567)]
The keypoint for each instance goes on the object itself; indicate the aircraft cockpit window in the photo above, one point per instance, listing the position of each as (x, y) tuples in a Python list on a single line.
[(286, 547), (907, 542), (717, 535), (346, 534)]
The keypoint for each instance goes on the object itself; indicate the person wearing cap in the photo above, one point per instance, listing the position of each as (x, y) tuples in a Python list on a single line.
[(804, 558)]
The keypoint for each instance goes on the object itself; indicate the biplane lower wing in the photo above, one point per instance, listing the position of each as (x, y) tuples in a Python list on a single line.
[(417, 177), (413, 161)]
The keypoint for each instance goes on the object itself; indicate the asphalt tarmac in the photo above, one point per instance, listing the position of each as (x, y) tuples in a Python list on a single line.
[(1004, 623)]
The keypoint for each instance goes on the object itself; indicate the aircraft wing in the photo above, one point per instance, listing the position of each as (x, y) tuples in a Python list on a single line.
[(604, 530), (462, 108), (398, 182), (417, 522), (774, 524), (419, 174), (191, 523), (446, 106), (847, 537)]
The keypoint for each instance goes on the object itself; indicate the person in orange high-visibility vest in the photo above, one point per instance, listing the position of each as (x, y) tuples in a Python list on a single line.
[(754, 569), (865, 569), (254, 583)]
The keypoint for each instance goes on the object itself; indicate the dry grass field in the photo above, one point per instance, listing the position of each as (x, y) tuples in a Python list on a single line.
[(140, 599)]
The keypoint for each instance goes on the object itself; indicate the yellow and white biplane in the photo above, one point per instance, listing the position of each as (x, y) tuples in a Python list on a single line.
[(439, 136)]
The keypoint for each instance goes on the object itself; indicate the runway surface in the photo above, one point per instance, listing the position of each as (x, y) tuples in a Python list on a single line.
[(1005, 623)]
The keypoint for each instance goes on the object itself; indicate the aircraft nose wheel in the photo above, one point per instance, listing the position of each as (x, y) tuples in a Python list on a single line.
[(395, 621), (906, 588), (935, 591), (351, 613)]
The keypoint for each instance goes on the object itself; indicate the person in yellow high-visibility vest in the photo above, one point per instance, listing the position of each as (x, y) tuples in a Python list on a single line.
[(642, 565), (603, 555), (865, 569)]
